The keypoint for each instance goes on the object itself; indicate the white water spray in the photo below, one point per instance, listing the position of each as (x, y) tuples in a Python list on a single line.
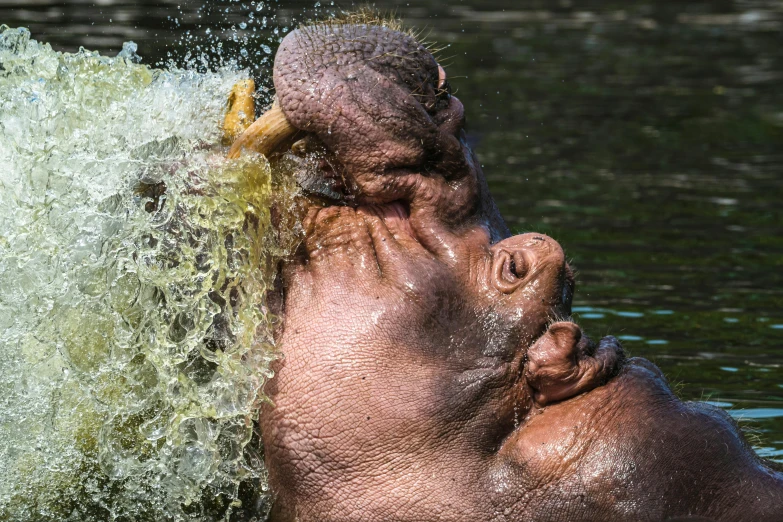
[(133, 266)]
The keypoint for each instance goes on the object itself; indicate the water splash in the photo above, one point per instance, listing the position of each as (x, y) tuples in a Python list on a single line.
[(133, 266), (239, 33)]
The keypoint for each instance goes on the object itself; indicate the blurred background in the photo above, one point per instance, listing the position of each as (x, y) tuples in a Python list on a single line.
[(647, 137)]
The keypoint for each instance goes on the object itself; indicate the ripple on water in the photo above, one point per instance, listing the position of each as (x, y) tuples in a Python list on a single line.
[(775, 454), (719, 404), (757, 413), (592, 312), (592, 316), (633, 315)]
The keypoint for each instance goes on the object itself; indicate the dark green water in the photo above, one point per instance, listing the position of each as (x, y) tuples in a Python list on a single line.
[(647, 137)]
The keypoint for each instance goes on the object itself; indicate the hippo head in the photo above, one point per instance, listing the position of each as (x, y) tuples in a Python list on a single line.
[(430, 368)]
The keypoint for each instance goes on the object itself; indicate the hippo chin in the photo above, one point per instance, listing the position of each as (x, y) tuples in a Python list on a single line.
[(430, 370)]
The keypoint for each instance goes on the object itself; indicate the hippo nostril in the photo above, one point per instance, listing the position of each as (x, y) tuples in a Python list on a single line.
[(519, 265), (510, 269)]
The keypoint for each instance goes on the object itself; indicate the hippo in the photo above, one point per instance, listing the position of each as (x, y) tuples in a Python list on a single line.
[(431, 369)]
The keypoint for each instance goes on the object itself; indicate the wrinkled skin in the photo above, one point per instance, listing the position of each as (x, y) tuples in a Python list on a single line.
[(430, 369)]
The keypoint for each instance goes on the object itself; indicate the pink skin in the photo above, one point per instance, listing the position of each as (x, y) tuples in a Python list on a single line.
[(441, 77), (430, 371)]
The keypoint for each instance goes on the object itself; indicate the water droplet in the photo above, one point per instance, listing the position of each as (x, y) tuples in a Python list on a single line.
[(129, 52)]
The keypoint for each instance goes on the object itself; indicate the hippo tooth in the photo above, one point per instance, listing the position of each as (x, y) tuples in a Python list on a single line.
[(268, 134)]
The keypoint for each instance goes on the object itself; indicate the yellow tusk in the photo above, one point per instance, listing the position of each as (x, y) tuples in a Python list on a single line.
[(241, 110), (266, 135)]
